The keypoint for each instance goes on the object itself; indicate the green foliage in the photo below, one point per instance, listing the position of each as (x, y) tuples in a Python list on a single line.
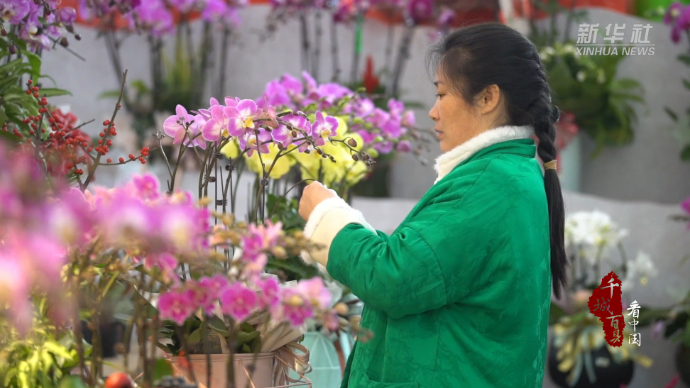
[(15, 104), (202, 337), (292, 267), (587, 86), (41, 358), (681, 126)]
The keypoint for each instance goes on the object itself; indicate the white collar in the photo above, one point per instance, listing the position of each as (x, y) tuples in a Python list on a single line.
[(447, 161)]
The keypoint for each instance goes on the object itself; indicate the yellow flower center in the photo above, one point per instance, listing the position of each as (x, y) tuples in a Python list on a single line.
[(294, 301), (249, 122), (325, 133)]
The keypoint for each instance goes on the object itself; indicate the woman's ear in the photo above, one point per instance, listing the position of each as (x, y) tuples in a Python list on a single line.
[(489, 99)]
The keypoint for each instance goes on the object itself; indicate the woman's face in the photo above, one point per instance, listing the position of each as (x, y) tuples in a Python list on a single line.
[(456, 120)]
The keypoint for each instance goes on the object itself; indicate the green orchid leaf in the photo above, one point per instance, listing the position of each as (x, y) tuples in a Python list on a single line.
[(685, 153), (218, 326), (162, 368)]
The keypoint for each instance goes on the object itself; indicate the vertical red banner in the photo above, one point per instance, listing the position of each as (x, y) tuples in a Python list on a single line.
[(606, 304)]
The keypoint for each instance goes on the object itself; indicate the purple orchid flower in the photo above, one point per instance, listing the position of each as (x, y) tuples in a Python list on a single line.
[(214, 10), (324, 128), (420, 10), (408, 119), (672, 13), (13, 11), (395, 107), (403, 146), (252, 141), (384, 147), (367, 136), (292, 86), (67, 15), (301, 123), (392, 129), (277, 94)]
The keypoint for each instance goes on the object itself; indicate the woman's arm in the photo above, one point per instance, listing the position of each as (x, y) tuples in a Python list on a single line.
[(387, 273), (397, 274)]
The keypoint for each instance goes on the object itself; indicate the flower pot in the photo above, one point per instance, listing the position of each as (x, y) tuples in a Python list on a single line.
[(607, 372), (683, 363), (261, 376), (325, 362)]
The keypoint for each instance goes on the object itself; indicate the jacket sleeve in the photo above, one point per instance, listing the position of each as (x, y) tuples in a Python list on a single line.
[(397, 274)]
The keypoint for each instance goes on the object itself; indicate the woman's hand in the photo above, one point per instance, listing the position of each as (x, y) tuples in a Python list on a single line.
[(313, 194)]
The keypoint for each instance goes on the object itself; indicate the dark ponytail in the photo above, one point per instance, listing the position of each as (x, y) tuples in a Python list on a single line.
[(477, 56)]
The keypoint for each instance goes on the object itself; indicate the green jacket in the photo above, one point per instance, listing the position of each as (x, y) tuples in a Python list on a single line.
[(459, 294)]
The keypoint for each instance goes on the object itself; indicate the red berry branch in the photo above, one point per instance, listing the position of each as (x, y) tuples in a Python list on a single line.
[(66, 149)]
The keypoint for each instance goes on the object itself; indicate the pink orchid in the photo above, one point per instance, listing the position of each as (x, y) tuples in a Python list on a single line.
[(293, 87), (241, 117), (145, 187), (685, 205), (215, 284), (256, 140), (395, 107), (408, 119), (214, 10), (175, 306), (282, 135), (403, 146), (277, 94), (315, 292), (331, 320), (238, 301), (270, 293), (175, 126), (324, 128), (14, 11), (295, 308), (216, 128), (163, 262), (297, 121)]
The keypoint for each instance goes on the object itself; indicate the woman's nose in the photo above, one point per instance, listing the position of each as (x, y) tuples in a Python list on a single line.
[(433, 113)]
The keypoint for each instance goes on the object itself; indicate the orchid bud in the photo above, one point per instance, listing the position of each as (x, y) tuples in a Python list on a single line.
[(279, 252), (341, 308), (352, 142)]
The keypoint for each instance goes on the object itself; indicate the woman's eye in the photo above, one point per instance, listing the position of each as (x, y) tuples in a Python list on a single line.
[(439, 95)]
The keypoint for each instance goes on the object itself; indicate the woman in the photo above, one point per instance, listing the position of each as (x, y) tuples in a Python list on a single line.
[(459, 294)]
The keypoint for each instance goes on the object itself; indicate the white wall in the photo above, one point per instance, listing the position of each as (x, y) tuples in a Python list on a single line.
[(648, 169)]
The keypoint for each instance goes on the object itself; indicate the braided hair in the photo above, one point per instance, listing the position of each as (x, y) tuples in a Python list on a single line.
[(475, 57)]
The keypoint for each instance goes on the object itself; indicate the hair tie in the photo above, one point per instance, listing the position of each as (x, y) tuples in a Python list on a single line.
[(555, 114), (551, 165)]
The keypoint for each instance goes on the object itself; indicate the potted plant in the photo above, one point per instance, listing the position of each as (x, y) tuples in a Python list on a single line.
[(675, 319), (678, 17), (578, 355)]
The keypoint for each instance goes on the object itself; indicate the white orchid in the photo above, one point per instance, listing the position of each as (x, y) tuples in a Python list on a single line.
[(593, 234), (638, 270)]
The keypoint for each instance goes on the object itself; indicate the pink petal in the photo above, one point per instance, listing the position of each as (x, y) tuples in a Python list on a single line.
[(181, 111), (246, 108)]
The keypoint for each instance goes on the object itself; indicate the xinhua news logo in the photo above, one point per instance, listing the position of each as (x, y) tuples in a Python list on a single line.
[(617, 39)]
